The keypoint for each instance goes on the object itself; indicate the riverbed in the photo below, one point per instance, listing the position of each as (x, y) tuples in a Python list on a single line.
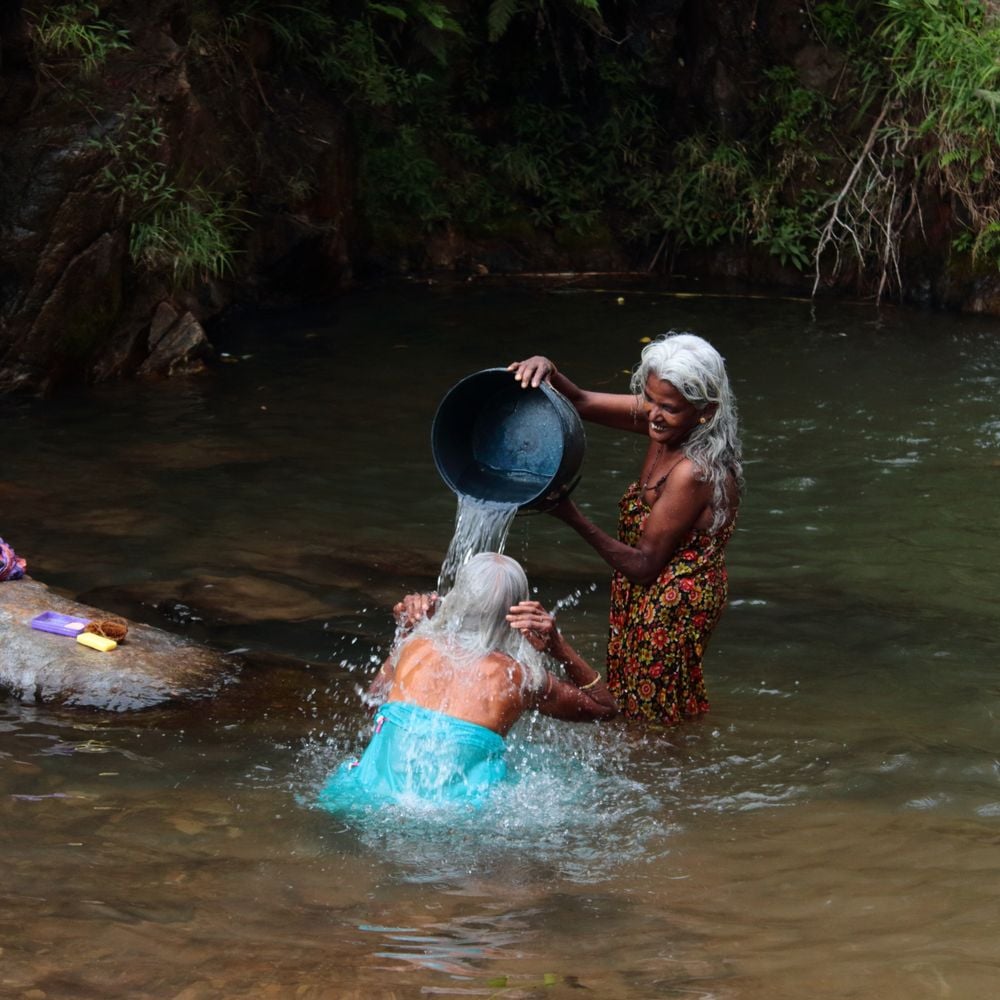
[(829, 830)]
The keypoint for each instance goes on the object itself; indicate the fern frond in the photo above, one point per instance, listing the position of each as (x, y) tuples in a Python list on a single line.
[(500, 14)]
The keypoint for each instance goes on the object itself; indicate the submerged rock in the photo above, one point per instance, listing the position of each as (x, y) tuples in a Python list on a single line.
[(233, 600), (177, 344), (149, 668)]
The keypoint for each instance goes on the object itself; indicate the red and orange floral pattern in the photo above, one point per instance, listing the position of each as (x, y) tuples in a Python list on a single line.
[(658, 633)]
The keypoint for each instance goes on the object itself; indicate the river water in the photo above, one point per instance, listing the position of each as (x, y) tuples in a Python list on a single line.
[(830, 829)]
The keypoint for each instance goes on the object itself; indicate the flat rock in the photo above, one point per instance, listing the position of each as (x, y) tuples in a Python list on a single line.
[(151, 667)]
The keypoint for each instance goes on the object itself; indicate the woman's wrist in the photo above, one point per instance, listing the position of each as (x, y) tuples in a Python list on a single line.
[(581, 673), (578, 671), (558, 647)]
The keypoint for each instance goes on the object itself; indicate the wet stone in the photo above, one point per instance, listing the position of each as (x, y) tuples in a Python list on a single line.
[(151, 667)]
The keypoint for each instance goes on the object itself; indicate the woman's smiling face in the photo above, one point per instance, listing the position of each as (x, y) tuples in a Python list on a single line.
[(671, 417)]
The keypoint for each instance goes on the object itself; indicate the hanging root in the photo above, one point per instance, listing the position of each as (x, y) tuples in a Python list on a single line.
[(842, 225)]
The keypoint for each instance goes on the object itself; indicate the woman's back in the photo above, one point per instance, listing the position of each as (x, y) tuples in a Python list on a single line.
[(487, 692)]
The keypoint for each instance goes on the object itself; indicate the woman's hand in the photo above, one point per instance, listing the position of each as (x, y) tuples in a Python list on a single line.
[(532, 372), (564, 509), (537, 626), (412, 609)]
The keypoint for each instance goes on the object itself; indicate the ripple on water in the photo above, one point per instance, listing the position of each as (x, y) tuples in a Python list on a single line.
[(928, 803)]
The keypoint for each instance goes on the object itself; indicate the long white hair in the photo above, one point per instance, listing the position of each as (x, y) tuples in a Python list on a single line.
[(698, 372), (470, 622)]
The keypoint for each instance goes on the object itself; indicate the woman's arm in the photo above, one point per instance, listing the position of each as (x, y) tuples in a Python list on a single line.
[(587, 697), (379, 688), (673, 514), (407, 613), (381, 683), (619, 410)]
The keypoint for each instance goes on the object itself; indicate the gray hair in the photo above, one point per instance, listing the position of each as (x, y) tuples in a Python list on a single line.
[(470, 621), (698, 372)]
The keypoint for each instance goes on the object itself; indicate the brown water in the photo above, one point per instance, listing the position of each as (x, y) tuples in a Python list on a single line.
[(831, 829)]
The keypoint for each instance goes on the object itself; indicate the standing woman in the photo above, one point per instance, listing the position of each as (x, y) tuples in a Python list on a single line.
[(669, 585)]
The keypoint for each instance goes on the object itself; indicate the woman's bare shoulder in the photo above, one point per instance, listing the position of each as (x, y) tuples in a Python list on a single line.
[(501, 670), (415, 652), (684, 477)]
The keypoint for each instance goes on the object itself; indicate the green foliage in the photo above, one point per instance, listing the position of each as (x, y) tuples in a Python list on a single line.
[(189, 231), (721, 190), (76, 31), (502, 13), (472, 115), (361, 52), (418, 190), (942, 55), (548, 162), (430, 176), (837, 23), (789, 233), (192, 236), (798, 111), (703, 199), (134, 169), (936, 95)]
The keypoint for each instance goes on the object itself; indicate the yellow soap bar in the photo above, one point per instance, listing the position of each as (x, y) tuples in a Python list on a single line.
[(99, 642)]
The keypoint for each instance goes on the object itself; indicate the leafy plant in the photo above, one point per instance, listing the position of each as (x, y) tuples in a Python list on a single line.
[(193, 237), (134, 169), (790, 235), (935, 125), (836, 22), (189, 232), (502, 12), (76, 31)]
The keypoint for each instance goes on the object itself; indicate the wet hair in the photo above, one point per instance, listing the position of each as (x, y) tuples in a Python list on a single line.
[(698, 372), (470, 621)]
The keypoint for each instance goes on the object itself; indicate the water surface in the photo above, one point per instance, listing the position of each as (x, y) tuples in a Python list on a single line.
[(830, 829)]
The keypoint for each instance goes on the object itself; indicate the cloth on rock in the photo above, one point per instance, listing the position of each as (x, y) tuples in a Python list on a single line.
[(416, 753), (12, 566), (658, 632)]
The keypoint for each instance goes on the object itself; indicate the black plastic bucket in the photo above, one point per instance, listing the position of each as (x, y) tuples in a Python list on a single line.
[(494, 441)]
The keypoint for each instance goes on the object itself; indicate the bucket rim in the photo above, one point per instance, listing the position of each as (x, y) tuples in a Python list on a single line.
[(561, 407)]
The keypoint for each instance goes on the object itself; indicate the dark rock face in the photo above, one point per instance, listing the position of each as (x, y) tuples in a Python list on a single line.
[(149, 667), (74, 305), (61, 259)]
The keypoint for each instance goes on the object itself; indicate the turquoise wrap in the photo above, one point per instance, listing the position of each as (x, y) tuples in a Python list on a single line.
[(416, 754)]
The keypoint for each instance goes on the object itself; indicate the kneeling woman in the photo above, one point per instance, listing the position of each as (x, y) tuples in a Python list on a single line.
[(456, 683)]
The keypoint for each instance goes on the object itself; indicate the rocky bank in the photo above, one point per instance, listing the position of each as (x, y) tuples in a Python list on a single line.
[(229, 121)]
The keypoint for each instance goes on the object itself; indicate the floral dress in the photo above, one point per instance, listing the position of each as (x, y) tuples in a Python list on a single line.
[(658, 632)]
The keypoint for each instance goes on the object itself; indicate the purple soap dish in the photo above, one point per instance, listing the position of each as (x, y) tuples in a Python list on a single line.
[(52, 621)]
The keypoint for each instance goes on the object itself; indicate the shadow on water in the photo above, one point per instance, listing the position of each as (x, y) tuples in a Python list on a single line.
[(828, 830)]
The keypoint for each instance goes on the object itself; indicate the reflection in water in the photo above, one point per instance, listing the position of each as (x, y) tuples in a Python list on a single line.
[(828, 830)]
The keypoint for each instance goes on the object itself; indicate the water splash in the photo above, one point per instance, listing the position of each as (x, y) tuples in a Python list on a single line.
[(570, 807), (573, 599), (480, 526)]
